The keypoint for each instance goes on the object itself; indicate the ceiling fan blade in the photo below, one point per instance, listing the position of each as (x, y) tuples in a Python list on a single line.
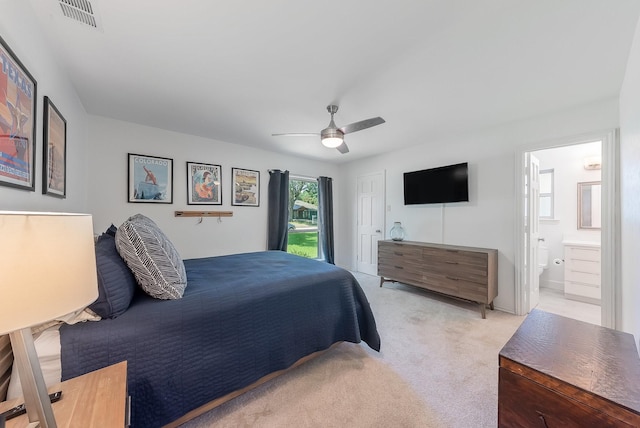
[(342, 148), (297, 134), (363, 124)]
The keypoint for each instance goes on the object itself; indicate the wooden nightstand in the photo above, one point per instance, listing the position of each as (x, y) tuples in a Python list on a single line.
[(97, 399)]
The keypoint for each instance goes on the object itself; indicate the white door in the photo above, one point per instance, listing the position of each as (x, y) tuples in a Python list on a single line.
[(532, 231), (370, 227)]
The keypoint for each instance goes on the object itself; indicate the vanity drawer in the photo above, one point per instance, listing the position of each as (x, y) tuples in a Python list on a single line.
[(583, 277), (586, 266), (583, 253), (589, 293)]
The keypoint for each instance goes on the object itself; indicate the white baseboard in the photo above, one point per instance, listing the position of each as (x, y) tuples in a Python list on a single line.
[(554, 285)]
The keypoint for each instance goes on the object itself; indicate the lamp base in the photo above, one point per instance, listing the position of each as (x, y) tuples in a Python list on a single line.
[(34, 388)]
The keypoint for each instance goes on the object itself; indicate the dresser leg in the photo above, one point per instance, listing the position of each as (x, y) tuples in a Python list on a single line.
[(381, 280), (491, 305), (483, 311)]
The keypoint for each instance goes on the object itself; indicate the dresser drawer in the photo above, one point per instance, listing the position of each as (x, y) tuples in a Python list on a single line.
[(400, 273), (458, 287), (464, 258), (399, 251), (457, 270), (464, 265), (391, 267)]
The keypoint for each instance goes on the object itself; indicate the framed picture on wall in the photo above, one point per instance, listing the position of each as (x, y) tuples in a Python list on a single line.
[(204, 185), (245, 187), (150, 179), (54, 163), (17, 122)]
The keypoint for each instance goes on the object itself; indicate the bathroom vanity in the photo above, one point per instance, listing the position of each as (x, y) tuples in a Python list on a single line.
[(582, 271)]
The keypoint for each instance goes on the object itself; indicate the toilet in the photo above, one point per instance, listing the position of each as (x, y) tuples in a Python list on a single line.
[(543, 257)]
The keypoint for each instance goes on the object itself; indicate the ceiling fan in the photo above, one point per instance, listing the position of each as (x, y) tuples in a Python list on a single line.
[(332, 136)]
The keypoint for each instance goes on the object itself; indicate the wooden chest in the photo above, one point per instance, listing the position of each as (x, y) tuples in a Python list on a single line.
[(559, 372)]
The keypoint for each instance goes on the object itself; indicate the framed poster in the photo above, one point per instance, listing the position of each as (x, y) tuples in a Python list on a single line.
[(54, 163), (245, 187), (17, 122), (203, 184), (150, 179)]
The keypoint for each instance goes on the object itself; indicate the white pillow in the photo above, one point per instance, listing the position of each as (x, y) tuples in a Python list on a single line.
[(152, 258), (46, 340), (48, 349)]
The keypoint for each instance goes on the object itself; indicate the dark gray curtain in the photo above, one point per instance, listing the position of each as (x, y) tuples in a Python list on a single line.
[(278, 210), (325, 217)]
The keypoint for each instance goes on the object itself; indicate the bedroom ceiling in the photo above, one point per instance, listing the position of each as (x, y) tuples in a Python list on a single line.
[(238, 71)]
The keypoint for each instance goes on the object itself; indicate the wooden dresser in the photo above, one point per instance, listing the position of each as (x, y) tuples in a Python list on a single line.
[(464, 272), (556, 371)]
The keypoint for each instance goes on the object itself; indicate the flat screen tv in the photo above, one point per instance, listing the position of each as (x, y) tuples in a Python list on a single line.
[(437, 185)]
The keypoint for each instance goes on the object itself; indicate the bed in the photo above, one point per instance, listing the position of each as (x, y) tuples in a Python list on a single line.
[(241, 318)]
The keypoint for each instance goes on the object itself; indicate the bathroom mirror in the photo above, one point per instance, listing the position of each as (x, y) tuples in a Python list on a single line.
[(589, 199)]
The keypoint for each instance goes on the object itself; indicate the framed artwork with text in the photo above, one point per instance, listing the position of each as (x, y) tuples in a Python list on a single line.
[(204, 185), (150, 179), (18, 97)]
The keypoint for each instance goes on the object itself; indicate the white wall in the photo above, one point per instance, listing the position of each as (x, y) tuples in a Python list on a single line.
[(111, 140), (568, 169), (630, 189), (96, 173), (488, 220), (19, 29)]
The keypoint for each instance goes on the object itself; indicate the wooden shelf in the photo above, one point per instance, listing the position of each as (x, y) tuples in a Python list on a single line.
[(204, 213)]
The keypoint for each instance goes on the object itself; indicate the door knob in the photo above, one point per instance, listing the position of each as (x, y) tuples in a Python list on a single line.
[(378, 231)]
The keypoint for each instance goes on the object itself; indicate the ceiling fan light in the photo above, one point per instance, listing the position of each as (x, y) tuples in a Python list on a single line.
[(331, 137), (331, 142)]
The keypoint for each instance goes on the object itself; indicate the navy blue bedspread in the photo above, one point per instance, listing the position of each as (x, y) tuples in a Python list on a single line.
[(242, 317)]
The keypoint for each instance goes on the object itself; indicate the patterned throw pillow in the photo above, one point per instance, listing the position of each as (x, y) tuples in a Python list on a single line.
[(152, 258)]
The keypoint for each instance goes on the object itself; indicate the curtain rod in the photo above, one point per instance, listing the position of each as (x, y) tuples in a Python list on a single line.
[(303, 177), (298, 176)]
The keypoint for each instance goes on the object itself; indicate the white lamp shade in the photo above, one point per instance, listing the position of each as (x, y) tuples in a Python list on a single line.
[(332, 142), (47, 267)]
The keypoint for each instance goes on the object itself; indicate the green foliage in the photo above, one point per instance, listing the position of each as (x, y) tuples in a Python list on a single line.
[(310, 193), (305, 191), (303, 244)]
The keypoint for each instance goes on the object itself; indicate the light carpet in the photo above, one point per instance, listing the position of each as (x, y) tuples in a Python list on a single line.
[(438, 367)]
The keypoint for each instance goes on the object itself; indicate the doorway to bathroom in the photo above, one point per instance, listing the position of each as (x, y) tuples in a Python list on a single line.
[(565, 265), (569, 262)]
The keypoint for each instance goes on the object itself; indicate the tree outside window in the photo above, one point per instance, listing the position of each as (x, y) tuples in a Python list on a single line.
[(303, 217)]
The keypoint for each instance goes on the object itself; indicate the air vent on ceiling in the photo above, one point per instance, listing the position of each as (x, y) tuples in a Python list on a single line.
[(82, 11)]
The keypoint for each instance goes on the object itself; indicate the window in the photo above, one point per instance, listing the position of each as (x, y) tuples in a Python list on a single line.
[(546, 193), (303, 217)]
